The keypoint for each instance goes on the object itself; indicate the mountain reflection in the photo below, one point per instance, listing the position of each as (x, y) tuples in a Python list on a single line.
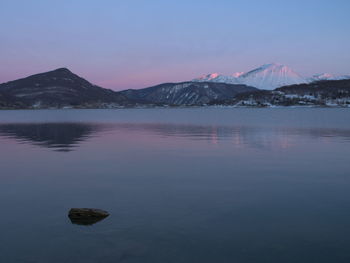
[(58, 136), (66, 136), (266, 138)]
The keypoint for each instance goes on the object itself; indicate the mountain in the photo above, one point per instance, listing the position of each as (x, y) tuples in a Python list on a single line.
[(61, 88), (186, 93), (327, 76), (320, 93), (331, 87), (57, 88), (269, 77), (216, 77), (323, 76)]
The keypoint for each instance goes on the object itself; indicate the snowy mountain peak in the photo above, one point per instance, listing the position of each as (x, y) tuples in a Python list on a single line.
[(269, 69), (268, 76), (215, 77), (270, 66), (271, 76), (323, 76), (327, 76), (237, 74), (209, 77)]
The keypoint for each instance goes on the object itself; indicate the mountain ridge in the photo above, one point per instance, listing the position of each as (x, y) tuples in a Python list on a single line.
[(61, 88), (325, 93), (268, 76), (185, 93)]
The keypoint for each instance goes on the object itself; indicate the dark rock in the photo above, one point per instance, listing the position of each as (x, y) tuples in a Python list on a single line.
[(86, 216), (87, 212)]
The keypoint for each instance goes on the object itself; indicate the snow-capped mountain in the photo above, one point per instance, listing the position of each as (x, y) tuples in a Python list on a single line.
[(269, 76), (237, 74), (327, 76), (323, 76), (216, 77)]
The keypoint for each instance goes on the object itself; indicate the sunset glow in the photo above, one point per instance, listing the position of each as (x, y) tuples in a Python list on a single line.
[(135, 44)]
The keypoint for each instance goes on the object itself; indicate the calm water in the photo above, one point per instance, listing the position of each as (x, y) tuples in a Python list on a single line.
[(182, 185)]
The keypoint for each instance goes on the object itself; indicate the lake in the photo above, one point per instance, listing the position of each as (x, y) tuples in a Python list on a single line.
[(181, 185)]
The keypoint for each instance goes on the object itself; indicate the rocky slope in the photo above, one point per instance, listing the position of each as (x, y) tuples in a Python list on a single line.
[(186, 93)]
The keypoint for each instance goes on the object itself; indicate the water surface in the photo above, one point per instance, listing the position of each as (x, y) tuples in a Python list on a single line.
[(181, 185)]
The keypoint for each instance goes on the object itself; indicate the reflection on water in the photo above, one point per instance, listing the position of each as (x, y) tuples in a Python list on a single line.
[(59, 136), (65, 137), (86, 221), (256, 137)]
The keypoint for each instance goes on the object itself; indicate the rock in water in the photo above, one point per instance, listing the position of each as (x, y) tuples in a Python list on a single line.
[(87, 212), (86, 216)]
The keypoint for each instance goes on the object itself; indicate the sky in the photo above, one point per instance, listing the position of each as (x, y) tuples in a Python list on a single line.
[(139, 43)]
